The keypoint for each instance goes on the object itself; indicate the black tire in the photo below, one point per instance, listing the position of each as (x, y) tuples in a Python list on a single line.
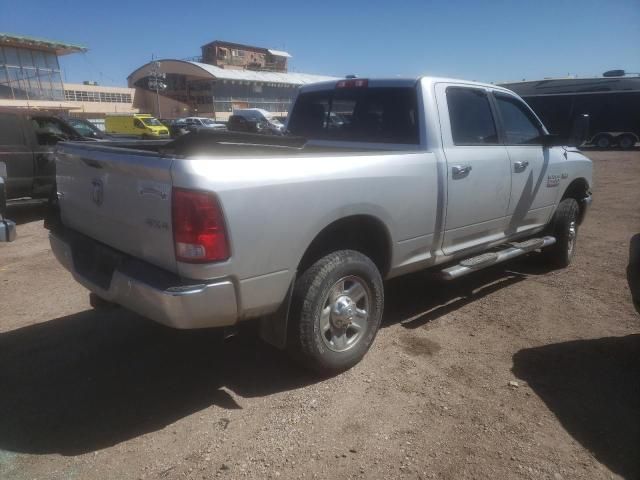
[(563, 226), (315, 339), (626, 142), (603, 142), (52, 199)]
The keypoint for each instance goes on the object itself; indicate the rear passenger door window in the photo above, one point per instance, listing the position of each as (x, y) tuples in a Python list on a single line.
[(10, 130), (520, 125), (472, 121)]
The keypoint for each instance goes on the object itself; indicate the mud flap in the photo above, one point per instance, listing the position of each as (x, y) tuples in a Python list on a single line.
[(273, 328)]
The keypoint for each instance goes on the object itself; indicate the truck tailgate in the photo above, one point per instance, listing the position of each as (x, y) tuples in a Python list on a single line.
[(119, 197)]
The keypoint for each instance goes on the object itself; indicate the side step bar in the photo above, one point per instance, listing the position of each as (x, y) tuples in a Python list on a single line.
[(512, 250)]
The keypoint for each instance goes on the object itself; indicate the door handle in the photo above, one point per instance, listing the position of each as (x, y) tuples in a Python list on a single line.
[(460, 171), (520, 166)]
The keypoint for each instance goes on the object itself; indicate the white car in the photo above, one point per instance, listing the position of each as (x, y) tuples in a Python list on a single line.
[(202, 122)]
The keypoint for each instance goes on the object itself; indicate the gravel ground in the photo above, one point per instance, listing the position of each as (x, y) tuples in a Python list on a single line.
[(514, 372)]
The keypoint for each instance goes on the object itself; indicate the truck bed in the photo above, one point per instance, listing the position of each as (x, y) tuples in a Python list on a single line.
[(228, 144)]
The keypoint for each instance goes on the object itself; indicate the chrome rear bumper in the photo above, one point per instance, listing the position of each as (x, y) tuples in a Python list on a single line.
[(7, 230), (168, 300)]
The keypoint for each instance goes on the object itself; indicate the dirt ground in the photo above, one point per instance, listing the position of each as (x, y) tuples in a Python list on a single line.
[(108, 395)]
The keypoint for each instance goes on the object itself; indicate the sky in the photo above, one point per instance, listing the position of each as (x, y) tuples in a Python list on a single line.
[(488, 41)]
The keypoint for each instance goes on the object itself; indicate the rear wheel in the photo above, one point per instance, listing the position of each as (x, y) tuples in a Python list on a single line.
[(336, 311), (564, 227), (626, 142)]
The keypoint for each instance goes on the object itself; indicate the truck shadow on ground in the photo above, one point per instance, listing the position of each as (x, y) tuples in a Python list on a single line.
[(93, 379), (593, 388), (27, 213), (415, 300)]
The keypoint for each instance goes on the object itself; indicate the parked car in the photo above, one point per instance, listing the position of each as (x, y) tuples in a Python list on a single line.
[(176, 127), (139, 125), (300, 231), (86, 128), (237, 123), (268, 124), (27, 141), (202, 122)]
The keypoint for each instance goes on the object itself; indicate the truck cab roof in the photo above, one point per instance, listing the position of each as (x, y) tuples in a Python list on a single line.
[(397, 82)]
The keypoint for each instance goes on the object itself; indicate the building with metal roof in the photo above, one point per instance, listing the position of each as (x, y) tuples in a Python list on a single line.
[(173, 88)]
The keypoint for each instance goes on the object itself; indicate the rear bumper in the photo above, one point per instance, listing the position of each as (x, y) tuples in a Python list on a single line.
[(157, 294), (7, 230)]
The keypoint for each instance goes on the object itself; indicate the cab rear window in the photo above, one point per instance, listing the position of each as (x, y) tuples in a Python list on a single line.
[(377, 114)]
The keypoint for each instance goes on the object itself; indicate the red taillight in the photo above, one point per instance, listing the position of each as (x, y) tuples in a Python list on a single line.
[(199, 232), (353, 83)]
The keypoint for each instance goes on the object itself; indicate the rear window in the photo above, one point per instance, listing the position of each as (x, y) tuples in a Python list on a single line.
[(379, 115)]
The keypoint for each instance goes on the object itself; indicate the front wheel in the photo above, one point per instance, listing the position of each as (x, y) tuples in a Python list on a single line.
[(564, 227), (335, 312)]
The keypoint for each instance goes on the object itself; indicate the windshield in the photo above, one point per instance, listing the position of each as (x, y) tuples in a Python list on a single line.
[(377, 115), (208, 121), (151, 122)]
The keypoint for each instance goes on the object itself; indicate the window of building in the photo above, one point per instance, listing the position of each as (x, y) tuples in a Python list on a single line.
[(52, 61), (11, 56), (25, 57), (238, 53), (16, 83), (29, 74), (472, 121), (520, 125), (38, 59), (102, 97)]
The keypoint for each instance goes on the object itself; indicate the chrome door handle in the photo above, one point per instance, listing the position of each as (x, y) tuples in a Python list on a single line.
[(520, 166), (460, 171)]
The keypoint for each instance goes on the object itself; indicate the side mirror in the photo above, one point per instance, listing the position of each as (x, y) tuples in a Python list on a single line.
[(579, 130), (551, 140)]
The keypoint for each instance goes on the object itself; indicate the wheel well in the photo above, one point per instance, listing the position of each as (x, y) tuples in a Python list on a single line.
[(578, 190), (363, 233)]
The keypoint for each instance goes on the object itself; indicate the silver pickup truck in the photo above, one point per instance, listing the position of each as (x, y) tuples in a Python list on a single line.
[(378, 178)]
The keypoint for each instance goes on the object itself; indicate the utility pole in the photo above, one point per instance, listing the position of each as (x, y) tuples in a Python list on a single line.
[(156, 82), (213, 100)]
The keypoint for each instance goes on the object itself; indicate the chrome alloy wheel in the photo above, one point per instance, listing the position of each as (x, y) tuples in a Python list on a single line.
[(345, 313), (571, 237)]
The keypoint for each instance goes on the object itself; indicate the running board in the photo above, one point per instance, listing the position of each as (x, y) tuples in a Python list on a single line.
[(512, 250)]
